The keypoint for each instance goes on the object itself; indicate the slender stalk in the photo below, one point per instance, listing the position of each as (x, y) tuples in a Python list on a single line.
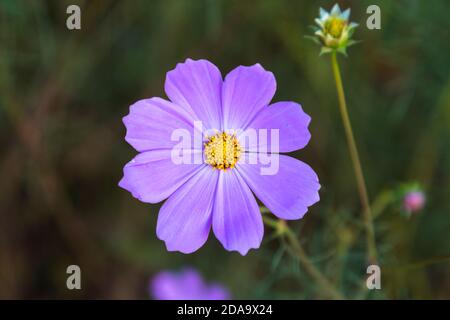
[(283, 229), (371, 244), (310, 268)]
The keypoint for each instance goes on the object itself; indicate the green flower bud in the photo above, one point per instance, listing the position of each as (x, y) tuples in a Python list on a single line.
[(334, 30)]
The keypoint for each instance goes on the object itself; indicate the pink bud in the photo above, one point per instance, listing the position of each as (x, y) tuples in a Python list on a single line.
[(414, 201)]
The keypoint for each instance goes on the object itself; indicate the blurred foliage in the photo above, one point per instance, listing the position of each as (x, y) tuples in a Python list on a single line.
[(63, 94)]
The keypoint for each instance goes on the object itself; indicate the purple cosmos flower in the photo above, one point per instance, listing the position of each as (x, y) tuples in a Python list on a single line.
[(185, 285), (413, 201), (217, 191)]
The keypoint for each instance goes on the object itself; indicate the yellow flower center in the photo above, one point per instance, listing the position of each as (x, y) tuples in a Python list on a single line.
[(334, 26), (222, 151)]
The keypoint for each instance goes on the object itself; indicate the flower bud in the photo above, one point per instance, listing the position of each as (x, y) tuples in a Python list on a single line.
[(413, 201), (334, 30)]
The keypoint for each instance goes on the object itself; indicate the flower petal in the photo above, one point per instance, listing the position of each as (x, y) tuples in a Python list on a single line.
[(196, 86), (336, 10), (289, 192), (237, 221), (291, 122), (152, 176), (246, 90), (151, 122), (184, 220)]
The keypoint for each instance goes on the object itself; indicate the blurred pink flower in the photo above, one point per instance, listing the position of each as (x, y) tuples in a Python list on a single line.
[(185, 285), (414, 201)]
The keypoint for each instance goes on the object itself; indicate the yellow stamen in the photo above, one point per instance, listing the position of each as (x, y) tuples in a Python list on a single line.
[(222, 151), (334, 26)]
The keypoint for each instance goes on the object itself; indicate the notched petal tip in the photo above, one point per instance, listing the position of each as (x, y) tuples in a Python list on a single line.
[(243, 250), (191, 62), (123, 183), (257, 69), (176, 249), (175, 246), (252, 68)]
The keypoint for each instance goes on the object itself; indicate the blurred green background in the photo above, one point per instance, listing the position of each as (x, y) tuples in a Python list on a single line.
[(63, 94)]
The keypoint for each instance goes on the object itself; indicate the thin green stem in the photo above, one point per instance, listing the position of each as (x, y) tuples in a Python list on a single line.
[(283, 229), (371, 244)]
